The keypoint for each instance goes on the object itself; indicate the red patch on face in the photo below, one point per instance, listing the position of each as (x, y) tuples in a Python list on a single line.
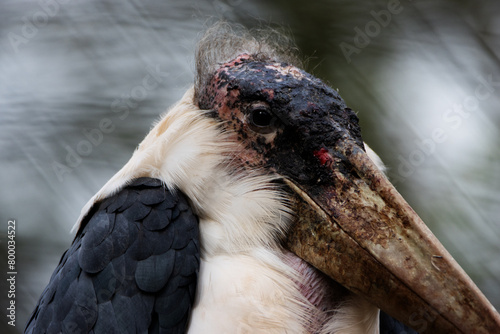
[(323, 156)]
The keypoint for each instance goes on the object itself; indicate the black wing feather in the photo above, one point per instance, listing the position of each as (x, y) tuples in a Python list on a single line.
[(132, 267)]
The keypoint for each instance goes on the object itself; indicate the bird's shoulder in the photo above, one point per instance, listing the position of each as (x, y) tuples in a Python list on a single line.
[(132, 266)]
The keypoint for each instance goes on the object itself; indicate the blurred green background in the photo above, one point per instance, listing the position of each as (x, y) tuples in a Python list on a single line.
[(424, 77)]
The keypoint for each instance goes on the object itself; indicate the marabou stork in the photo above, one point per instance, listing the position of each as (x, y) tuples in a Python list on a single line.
[(253, 206)]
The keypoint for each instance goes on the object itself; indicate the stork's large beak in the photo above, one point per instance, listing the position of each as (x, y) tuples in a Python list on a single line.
[(358, 230)]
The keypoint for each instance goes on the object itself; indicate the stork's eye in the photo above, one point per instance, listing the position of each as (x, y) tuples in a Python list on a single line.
[(261, 117), (261, 120)]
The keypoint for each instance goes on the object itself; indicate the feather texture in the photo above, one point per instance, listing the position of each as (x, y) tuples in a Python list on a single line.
[(132, 267)]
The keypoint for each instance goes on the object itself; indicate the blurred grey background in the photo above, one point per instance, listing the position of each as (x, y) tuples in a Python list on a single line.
[(424, 77)]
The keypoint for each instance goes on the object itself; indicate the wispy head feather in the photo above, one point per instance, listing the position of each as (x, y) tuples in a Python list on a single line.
[(223, 42)]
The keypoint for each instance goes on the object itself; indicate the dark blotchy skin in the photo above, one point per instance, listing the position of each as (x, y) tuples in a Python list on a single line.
[(310, 116)]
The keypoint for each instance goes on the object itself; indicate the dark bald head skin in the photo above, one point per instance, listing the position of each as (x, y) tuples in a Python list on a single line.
[(286, 118)]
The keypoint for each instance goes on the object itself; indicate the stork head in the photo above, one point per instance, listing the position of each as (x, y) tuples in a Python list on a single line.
[(351, 223), (286, 119)]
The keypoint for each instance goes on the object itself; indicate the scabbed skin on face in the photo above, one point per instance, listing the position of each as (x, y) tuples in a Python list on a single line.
[(310, 117)]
